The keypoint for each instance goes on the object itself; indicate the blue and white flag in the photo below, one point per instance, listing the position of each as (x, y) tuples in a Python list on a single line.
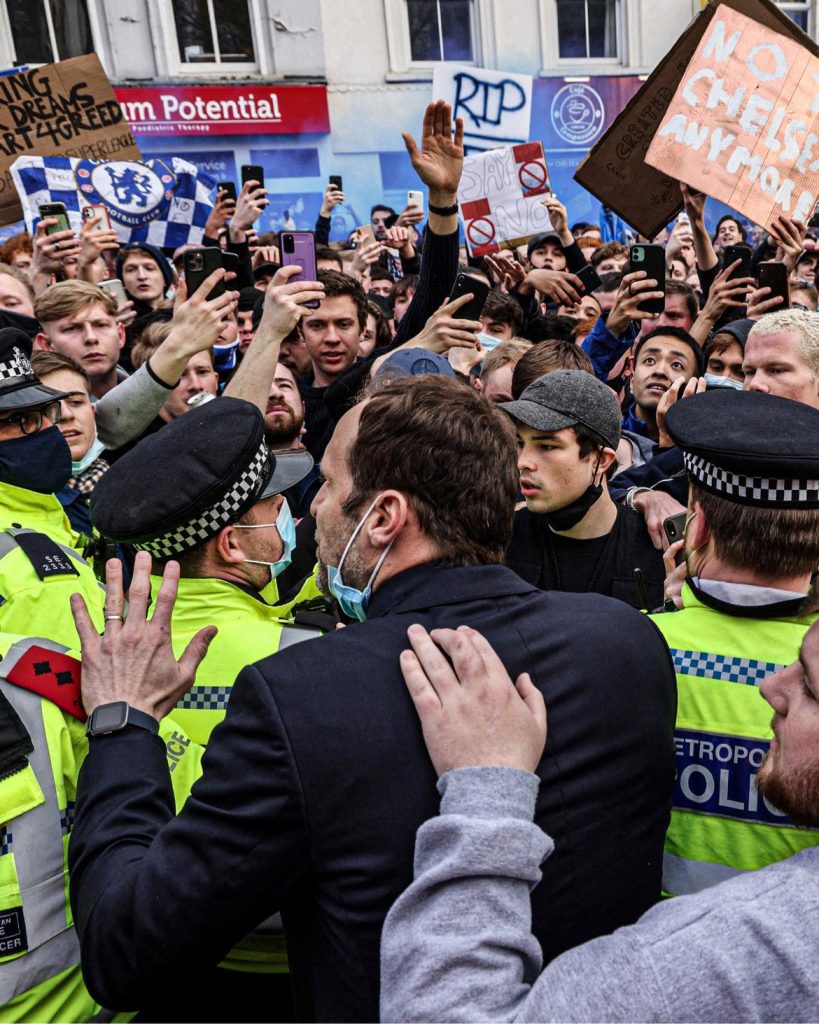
[(162, 202)]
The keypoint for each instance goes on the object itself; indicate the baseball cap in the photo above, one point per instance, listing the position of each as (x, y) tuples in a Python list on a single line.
[(564, 399)]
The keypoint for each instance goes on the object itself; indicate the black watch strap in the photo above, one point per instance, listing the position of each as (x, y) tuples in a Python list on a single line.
[(444, 211), (115, 717)]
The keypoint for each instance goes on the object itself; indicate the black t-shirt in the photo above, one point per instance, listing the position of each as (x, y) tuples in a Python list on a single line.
[(577, 561), (604, 565)]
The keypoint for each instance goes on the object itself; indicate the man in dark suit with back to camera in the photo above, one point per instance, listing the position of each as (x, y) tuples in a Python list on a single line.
[(318, 779)]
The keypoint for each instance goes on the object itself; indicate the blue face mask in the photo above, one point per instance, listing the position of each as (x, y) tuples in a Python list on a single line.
[(38, 462), (91, 456), (712, 380), (488, 341), (287, 531), (352, 601)]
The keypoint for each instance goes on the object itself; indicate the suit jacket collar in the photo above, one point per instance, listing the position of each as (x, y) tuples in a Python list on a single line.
[(439, 583)]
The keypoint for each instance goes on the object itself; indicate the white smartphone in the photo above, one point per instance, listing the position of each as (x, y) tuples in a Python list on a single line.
[(88, 212), (115, 287), (415, 199)]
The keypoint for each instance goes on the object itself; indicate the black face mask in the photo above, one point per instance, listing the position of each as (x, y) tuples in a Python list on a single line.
[(38, 462), (570, 515)]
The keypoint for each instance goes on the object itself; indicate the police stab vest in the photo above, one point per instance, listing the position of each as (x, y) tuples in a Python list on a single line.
[(720, 823)]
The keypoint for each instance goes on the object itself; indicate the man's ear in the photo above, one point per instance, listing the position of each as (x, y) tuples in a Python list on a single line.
[(228, 545), (120, 334), (41, 341), (388, 518), (699, 530), (608, 456), (477, 384)]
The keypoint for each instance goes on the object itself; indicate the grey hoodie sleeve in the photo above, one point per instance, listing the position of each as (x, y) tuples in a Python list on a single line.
[(125, 411), (458, 944)]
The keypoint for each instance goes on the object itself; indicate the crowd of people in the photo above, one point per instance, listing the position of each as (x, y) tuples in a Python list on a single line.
[(273, 551)]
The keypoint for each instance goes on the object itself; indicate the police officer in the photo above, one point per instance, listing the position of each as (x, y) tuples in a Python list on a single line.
[(39, 566), (42, 745), (751, 544), (206, 491)]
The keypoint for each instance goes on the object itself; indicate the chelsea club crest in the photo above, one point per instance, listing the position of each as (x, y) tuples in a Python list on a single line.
[(133, 193)]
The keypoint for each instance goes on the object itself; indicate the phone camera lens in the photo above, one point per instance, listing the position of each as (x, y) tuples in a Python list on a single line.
[(289, 246)]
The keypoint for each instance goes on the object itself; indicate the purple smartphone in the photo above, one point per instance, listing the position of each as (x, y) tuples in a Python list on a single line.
[(298, 249)]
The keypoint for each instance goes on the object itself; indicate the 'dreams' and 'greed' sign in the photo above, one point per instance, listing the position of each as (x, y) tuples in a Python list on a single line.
[(66, 109), (225, 109)]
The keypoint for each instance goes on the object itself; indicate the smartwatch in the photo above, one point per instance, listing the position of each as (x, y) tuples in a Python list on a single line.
[(115, 717)]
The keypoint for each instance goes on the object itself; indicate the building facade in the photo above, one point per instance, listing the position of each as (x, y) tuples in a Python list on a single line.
[(309, 88)]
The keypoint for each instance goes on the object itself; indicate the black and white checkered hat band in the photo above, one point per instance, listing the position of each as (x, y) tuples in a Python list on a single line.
[(207, 525), (11, 371), (751, 490)]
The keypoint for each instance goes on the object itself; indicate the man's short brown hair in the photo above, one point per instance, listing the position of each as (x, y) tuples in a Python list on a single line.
[(451, 453), (70, 297), (607, 251), (770, 542), (546, 357), (18, 275), (149, 341), (44, 361), (335, 283), (510, 351), (503, 309)]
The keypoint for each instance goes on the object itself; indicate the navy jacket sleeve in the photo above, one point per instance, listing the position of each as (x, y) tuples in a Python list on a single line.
[(604, 349), (665, 472), (222, 865)]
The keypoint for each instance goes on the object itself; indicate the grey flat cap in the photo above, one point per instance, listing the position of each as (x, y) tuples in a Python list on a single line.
[(564, 399)]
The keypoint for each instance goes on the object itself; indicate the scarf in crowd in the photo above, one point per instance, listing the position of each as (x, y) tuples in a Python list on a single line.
[(87, 480)]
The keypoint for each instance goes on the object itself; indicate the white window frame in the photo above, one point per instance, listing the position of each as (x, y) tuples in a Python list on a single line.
[(98, 35), (400, 50), (800, 5), (165, 40), (629, 50)]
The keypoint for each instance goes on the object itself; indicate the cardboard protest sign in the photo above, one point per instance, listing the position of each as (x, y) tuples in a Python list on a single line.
[(615, 170), (65, 109), (742, 124), (496, 106), (501, 197)]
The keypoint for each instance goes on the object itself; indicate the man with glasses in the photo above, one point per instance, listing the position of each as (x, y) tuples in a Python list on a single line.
[(39, 568)]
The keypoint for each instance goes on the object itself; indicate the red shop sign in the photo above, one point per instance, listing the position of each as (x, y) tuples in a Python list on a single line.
[(225, 109)]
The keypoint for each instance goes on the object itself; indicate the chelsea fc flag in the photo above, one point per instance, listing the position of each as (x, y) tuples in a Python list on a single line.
[(164, 203)]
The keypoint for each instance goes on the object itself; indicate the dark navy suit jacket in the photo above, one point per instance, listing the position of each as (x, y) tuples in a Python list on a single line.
[(318, 778)]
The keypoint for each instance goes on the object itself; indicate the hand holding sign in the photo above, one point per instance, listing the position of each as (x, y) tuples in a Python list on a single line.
[(789, 236)]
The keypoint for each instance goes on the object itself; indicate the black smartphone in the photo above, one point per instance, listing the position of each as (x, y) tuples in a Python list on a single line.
[(774, 275), (55, 210), (199, 264), (674, 527), (464, 284), (335, 179), (590, 278), (651, 259), (252, 172), (390, 221), (228, 187), (732, 253), (230, 261)]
